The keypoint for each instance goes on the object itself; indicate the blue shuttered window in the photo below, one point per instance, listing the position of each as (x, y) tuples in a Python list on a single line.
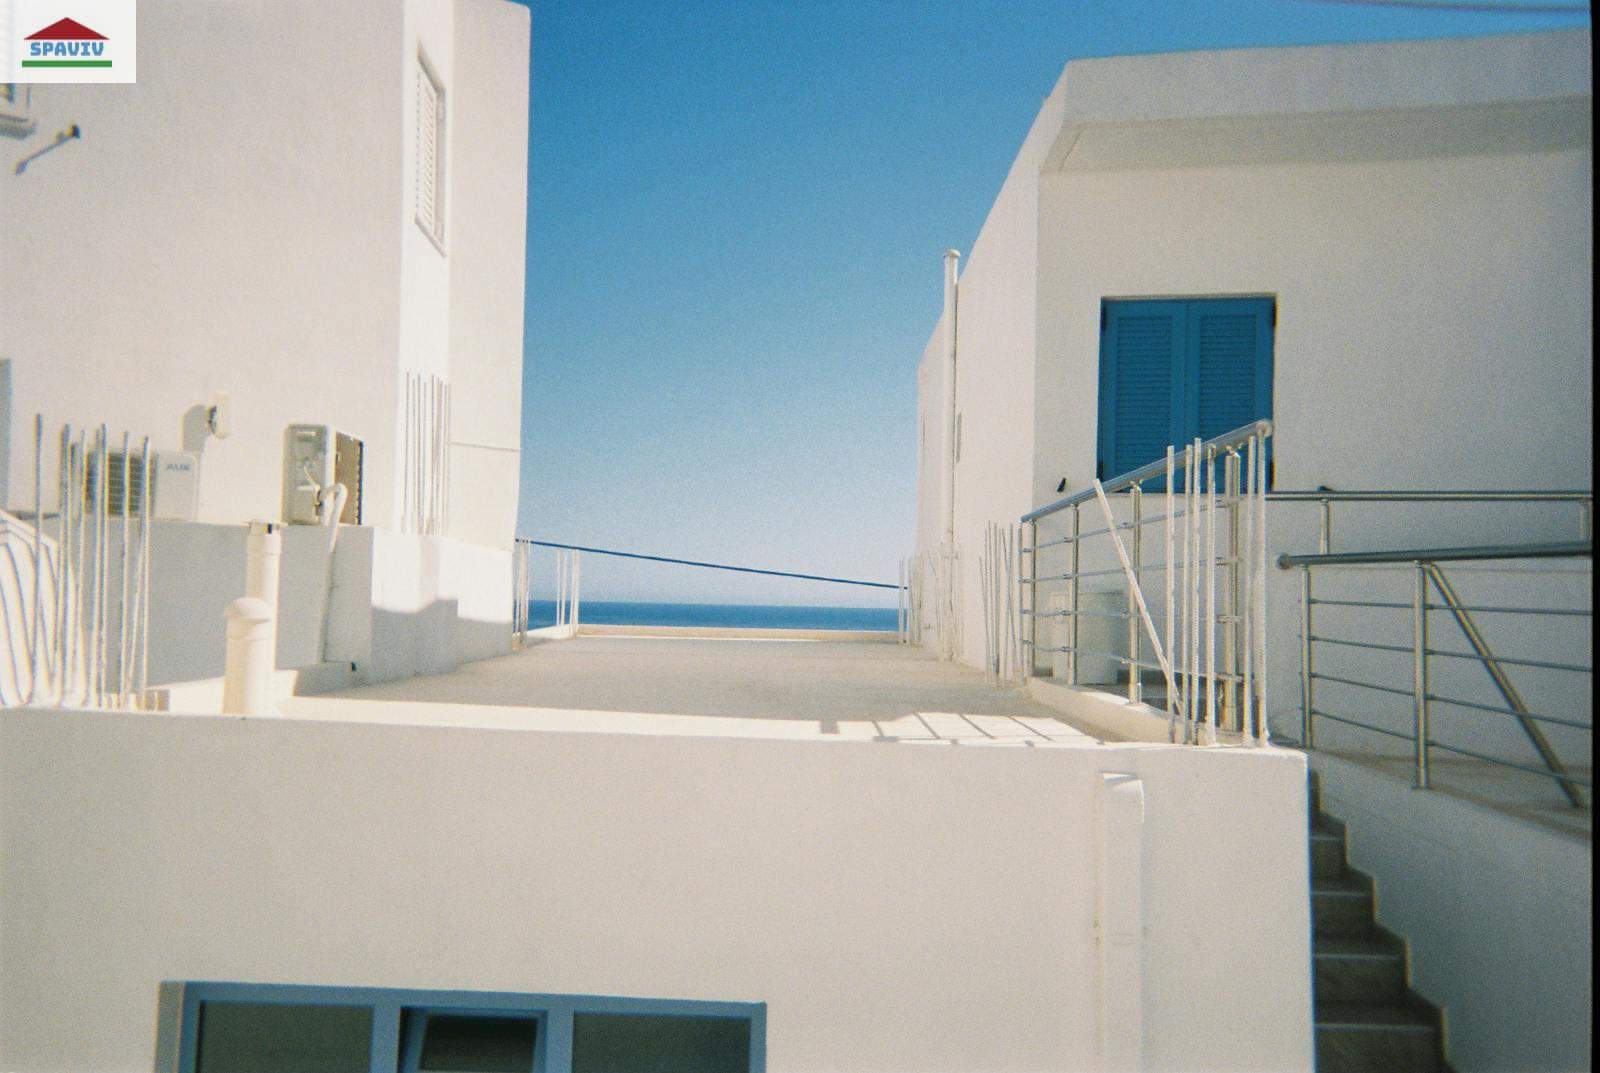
[(1171, 370)]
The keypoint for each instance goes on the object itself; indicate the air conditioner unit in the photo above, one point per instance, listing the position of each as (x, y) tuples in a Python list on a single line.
[(316, 457), (174, 485)]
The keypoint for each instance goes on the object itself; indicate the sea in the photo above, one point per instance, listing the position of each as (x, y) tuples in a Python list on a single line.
[(765, 616)]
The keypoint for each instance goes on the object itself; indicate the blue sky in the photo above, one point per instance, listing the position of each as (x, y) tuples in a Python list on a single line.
[(736, 215)]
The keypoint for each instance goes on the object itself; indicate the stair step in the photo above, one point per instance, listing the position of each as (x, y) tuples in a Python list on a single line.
[(1342, 905), (1371, 970), (1358, 1037), (1327, 847)]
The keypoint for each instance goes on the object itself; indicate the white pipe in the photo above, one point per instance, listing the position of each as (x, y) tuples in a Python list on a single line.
[(1261, 590), (263, 556), (577, 589), (36, 630), (1133, 586), (247, 666), (64, 531), (1211, 597), (951, 298), (1194, 601), (1172, 502), (1247, 556), (146, 506), (124, 660)]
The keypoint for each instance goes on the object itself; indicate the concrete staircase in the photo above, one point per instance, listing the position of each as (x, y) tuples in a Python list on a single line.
[(1368, 1020)]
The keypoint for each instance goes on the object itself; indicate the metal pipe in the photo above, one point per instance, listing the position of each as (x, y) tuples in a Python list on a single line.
[(1135, 497), (1073, 594), (1172, 701), (124, 659), (63, 535), (1560, 550), (1419, 673), (1264, 727), (1431, 496), (36, 627), (146, 506), (1306, 669), (1033, 599), (951, 300), (1192, 656), (1211, 596), (1248, 638), (1232, 637), (1150, 470)]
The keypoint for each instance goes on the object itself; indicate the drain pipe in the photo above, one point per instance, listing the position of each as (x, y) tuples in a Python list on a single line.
[(263, 554), (253, 626), (952, 431), (247, 670)]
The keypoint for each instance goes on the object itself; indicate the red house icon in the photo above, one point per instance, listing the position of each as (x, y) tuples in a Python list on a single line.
[(65, 30)]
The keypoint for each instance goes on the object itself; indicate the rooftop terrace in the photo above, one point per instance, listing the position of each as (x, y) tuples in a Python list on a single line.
[(739, 686)]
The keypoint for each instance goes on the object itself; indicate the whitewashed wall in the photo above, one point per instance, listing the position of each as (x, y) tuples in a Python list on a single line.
[(207, 235), (488, 207), (897, 907), (226, 224)]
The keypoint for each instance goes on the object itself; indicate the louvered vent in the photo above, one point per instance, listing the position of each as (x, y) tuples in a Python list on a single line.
[(120, 499), (430, 152)]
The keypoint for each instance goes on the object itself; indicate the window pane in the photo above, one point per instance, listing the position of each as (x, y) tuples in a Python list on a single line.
[(470, 1044), (648, 1043), (264, 1037)]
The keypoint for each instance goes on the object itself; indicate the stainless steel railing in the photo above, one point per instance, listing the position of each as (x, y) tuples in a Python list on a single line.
[(1210, 646), (1433, 591)]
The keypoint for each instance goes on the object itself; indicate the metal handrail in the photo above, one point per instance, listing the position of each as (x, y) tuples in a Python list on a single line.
[(1235, 439), (1215, 589), (1561, 550), (1428, 574)]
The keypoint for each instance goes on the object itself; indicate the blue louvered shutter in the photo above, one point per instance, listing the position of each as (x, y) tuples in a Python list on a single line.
[(1229, 364), (1142, 354)]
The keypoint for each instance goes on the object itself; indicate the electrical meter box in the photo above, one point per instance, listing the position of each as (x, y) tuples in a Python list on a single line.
[(317, 457)]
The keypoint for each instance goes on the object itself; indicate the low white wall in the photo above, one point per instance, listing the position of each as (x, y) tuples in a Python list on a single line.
[(1497, 913), (897, 908), (400, 604)]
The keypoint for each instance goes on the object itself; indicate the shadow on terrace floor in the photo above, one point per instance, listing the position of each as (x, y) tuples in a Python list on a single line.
[(829, 682)]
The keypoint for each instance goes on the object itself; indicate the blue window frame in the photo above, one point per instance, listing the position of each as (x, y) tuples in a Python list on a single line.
[(250, 1027), (1174, 369)]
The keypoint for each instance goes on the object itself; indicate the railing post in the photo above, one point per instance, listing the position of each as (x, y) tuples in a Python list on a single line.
[(1231, 637), (1133, 620), (1072, 600), (1305, 658), (1033, 597), (1419, 670)]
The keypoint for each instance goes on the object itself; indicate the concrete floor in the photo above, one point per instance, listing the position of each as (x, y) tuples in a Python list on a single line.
[(767, 688)]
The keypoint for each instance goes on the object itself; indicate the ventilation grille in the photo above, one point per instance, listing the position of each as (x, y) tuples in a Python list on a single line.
[(120, 499)]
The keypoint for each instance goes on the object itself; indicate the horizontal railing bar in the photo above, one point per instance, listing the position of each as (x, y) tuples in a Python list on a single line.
[(1578, 612), (1317, 637), (1158, 468), (1426, 496), (1574, 549), (1432, 743), (1515, 661), (1508, 711), (1320, 714), (1559, 776), (1319, 676)]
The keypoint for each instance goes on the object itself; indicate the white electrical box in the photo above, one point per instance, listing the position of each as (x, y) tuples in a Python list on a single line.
[(316, 457), (176, 481)]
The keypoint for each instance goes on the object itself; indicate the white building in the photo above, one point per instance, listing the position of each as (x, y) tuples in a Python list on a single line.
[(1386, 250), (310, 214)]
